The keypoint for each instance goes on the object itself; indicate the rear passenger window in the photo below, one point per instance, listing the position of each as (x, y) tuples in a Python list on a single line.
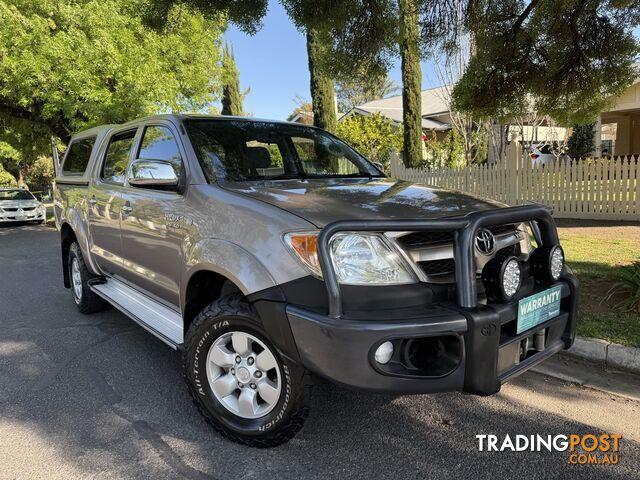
[(77, 157), (116, 161)]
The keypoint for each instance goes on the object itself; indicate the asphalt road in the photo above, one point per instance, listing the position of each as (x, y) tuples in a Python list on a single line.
[(98, 397)]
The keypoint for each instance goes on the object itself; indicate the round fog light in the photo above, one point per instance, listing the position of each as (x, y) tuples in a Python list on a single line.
[(502, 278), (511, 278), (556, 263), (384, 353)]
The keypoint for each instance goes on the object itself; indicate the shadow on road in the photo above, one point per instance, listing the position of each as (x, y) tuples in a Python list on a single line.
[(101, 397)]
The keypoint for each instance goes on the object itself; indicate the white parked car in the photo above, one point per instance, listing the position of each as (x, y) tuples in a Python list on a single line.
[(543, 153), (19, 205)]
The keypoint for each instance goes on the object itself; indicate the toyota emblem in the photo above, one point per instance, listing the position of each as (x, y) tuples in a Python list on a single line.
[(485, 242)]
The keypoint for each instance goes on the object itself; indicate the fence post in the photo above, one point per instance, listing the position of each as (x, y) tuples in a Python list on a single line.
[(512, 164), (393, 163)]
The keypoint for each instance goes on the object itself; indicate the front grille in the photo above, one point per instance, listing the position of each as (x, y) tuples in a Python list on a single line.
[(426, 239), (438, 267), (12, 209), (447, 266)]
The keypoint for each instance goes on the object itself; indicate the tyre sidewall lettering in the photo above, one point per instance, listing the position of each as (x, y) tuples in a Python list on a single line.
[(201, 382), (196, 357)]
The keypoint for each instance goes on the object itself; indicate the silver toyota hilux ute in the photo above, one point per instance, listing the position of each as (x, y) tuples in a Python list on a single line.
[(268, 251)]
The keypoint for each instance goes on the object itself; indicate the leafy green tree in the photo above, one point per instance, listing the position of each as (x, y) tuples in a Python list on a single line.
[(21, 141), (67, 65), (374, 136), (6, 179), (231, 95), (567, 57), (247, 15), (40, 174), (581, 141), (354, 91)]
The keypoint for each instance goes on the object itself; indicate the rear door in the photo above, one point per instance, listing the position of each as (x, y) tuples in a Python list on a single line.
[(106, 202), (157, 222)]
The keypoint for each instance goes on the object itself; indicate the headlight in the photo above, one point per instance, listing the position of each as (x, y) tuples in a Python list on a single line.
[(358, 258), (502, 279), (368, 259), (41, 209), (547, 263)]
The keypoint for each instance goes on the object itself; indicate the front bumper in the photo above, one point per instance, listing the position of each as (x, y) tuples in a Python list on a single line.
[(488, 352), (30, 216)]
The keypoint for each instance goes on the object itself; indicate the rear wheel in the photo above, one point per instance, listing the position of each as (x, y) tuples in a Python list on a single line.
[(238, 379), (86, 300)]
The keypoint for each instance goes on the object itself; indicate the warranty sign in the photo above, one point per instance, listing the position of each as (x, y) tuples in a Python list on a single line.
[(538, 308)]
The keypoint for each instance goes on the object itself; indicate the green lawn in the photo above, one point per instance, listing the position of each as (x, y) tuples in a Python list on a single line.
[(596, 259)]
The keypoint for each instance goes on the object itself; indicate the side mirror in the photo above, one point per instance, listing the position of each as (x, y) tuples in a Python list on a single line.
[(158, 174), (379, 166)]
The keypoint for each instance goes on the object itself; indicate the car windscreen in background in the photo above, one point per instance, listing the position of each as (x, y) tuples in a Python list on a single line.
[(77, 158), (16, 195)]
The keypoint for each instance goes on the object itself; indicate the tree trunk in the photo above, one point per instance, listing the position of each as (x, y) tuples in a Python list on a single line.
[(411, 82), (323, 95)]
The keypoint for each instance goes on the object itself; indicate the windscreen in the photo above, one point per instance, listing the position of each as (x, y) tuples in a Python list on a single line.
[(15, 195), (244, 150)]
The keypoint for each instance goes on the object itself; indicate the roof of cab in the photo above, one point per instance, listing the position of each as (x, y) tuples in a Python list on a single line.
[(179, 117)]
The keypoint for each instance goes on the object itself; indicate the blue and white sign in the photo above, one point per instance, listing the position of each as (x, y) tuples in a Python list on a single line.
[(538, 308)]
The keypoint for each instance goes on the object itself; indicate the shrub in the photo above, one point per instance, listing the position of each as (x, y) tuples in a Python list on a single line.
[(40, 174), (374, 136), (629, 286), (581, 142), (6, 179)]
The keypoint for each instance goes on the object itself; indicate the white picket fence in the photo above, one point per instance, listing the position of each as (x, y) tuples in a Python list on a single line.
[(607, 189)]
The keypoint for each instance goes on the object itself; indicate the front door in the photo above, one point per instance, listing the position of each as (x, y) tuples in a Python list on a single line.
[(155, 226), (106, 203)]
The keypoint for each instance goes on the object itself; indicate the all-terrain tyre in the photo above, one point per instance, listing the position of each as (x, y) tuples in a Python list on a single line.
[(239, 381), (79, 275)]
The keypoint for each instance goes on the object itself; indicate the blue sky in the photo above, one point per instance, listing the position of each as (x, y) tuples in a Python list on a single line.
[(273, 63)]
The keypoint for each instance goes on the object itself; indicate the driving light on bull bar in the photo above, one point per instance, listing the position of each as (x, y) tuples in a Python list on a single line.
[(384, 353), (547, 263), (502, 278)]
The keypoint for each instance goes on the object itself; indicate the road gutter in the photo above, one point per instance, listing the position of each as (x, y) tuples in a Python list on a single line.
[(609, 355), (598, 364)]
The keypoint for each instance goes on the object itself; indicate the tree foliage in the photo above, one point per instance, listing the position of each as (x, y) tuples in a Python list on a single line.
[(581, 141), (362, 34), (231, 95), (247, 15), (374, 136), (566, 57), (321, 83), (411, 82), (67, 65), (40, 173), (354, 91), (6, 179)]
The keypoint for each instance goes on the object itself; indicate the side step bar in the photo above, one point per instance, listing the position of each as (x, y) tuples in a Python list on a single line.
[(164, 323)]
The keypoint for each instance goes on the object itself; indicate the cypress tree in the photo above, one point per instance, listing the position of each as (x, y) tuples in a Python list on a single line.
[(581, 142), (321, 84), (231, 96), (411, 82)]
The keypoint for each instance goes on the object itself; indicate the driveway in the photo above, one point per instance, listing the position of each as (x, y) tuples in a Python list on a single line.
[(98, 397)]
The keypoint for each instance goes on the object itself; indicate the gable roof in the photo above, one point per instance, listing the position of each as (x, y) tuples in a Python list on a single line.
[(434, 102)]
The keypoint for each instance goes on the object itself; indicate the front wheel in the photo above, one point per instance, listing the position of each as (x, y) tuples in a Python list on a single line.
[(239, 381)]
